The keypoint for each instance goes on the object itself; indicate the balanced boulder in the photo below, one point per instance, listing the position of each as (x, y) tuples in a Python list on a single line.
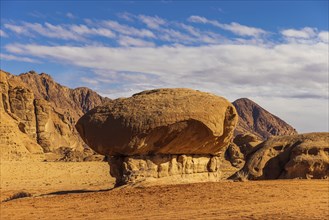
[(161, 132), (163, 121)]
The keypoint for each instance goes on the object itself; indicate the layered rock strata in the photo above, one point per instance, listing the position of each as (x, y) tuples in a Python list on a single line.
[(161, 128)]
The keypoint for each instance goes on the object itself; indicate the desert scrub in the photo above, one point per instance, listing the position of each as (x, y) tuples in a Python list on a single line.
[(18, 196), (242, 176)]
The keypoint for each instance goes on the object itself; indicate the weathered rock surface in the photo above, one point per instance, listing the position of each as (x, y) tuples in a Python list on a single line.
[(163, 121), (38, 116), (297, 156), (239, 150), (246, 142), (16, 141), (160, 133), (234, 155), (257, 121), (132, 169)]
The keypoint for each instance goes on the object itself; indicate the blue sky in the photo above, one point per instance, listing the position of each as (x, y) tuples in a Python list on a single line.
[(273, 52)]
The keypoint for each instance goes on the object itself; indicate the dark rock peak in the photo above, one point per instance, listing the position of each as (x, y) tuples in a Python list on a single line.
[(258, 121)]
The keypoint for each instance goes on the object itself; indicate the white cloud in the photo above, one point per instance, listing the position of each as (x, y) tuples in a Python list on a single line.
[(89, 80), (84, 30), (243, 30), (128, 30), (198, 19), (305, 33), (129, 41), (3, 34), (152, 22), (230, 69), (172, 35), (57, 31), (11, 57), (70, 15), (236, 28), (46, 30), (324, 36), (65, 32), (15, 28), (167, 31), (126, 16)]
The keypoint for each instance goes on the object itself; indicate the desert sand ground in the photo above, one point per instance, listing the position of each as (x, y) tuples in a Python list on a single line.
[(85, 191), (46, 177)]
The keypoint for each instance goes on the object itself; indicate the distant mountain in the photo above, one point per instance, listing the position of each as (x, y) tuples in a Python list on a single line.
[(256, 120), (77, 101), (38, 115)]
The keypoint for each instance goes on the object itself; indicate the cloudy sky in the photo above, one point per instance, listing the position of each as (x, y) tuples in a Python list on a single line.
[(275, 53)]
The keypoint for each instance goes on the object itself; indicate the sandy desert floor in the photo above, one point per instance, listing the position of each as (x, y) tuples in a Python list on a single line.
[(47, 177), (85, 191)]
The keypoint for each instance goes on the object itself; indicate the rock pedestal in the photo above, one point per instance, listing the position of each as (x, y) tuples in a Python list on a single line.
[(132, 169), (158, 133)]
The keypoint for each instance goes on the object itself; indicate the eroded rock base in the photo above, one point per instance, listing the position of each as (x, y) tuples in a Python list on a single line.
[(195, 168)]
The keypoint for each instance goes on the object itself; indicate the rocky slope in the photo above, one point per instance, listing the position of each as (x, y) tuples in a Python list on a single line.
[(160, 133), (303, 156), (38, 116), (257, 121)]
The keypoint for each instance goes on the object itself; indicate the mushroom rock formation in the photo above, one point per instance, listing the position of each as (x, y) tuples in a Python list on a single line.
[(303, 156), (161, 132)]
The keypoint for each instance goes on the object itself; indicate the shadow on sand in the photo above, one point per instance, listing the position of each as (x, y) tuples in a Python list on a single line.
[(79, 191), (21, 195)]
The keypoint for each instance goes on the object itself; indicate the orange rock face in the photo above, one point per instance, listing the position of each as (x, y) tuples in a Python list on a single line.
[(163, 121)]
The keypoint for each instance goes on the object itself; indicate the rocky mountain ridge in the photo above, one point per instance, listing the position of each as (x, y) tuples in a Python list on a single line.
[(256, 120), (38, 116)]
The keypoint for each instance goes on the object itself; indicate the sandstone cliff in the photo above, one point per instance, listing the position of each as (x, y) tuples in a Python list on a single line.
[(38, 116), (257, 121), (163, 132), (75, 101)]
